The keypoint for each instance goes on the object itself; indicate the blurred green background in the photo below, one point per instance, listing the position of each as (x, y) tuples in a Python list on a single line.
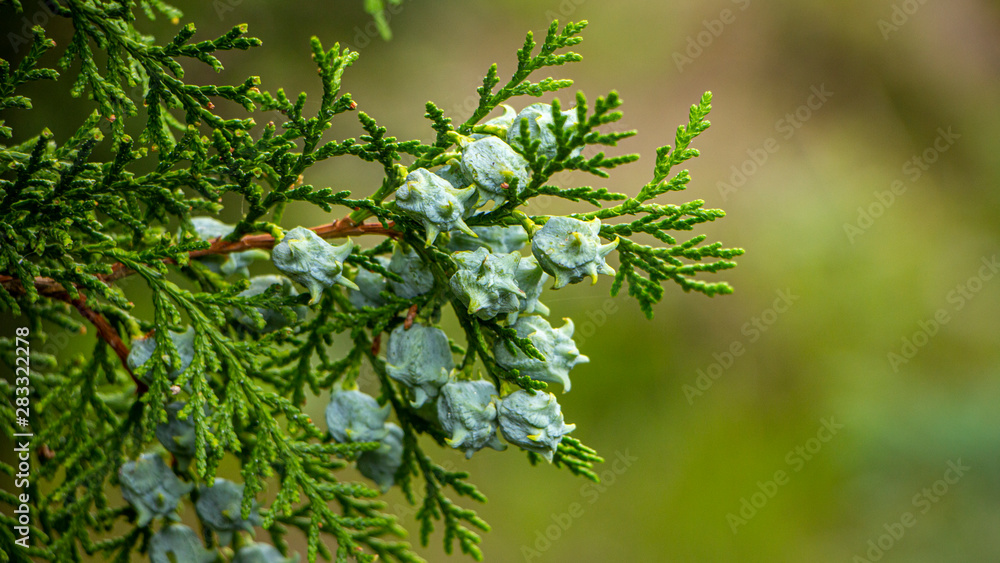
[(854, 149)]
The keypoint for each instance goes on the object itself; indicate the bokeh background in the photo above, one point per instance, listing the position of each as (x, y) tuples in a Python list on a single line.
[(854, 147)]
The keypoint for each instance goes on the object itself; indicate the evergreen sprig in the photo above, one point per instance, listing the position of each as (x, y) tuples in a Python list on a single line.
[(84, 236), (527, 63)]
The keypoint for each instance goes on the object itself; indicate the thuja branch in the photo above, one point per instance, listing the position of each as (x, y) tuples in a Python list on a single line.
[(338, 229), (222, 360), (51, 288)]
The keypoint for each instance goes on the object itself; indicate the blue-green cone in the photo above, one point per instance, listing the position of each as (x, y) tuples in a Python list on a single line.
[(380, 465), (533, 422), (434, 202), (569, 250), (208, 228), (494, 167), (417, 276), (176, 543), (308, 259), (452, 173), (486, 283), (531, 279), (497, 239), (143, 349), (262, 553), (468, 411), (556, 344), (352, 416), (370, 286), (177, 435), (419, 358), (539, 122), (151, 488), (498, 126), (220, 509)]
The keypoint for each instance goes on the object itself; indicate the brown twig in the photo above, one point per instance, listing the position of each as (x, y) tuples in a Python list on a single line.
[(345, 227), (109, 335)]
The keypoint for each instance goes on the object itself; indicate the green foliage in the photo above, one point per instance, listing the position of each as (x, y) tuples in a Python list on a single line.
[(75, 227)]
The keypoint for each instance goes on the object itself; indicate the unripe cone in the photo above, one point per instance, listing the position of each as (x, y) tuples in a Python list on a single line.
[(533, 422), (570, 250), (485, 282), (151, 487), (352, 416), (434, 202), (176, 543), (420, 358), (556, 344), (308, 259), (220, 508), (468, 411), (380, 465)]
